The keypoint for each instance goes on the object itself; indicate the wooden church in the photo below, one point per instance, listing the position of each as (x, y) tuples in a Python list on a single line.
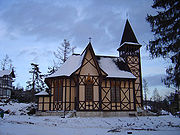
[(91, 83)]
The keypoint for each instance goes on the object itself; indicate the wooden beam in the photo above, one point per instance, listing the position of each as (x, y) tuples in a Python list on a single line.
[(70, 94), (43, 104), (65, 95), (134, 95), (100, 92), (129, 95)]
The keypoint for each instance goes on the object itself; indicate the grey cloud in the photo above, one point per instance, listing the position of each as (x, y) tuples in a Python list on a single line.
[(21, 53), (77, 20), (108, 19), (33, 53), (155, 80), (43, 20), (35, 59), (47, 53), (48, 22)]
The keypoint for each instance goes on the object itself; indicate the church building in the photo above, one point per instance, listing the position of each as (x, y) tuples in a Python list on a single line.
[(94, 84)]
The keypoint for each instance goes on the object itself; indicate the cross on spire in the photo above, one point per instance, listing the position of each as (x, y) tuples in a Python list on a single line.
[(90, 39), (127, 15)]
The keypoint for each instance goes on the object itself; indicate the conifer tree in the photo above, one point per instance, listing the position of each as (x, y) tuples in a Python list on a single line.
[(165, 26), (36, 83), (145, 89), (6, 63), (63, 52)]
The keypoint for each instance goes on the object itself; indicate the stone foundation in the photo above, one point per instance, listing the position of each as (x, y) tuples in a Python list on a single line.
[(50, 113), (106, 114), (88, 114)]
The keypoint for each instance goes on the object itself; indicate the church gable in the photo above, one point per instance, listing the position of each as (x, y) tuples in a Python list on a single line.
[(89, 63)]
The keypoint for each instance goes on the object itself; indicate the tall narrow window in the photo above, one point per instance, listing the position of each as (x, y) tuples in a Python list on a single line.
[(1, 92), (115, 93), (58, 91), (89, 92), (89, 89)]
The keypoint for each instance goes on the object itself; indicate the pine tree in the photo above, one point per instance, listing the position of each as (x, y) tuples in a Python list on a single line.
[(63, 52), (52, 69), (6, 63), (165, 26), (156, 97), (156, 101), (36, 83), (145, 88)]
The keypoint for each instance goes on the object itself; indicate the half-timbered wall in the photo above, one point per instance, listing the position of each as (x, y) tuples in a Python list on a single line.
[(126, 95), (66, 88), (85, 104), (88, 73), (108, 94), (62, 96), (43, 103), (133, 61), (101, 102), (102, 90), (131, 55)]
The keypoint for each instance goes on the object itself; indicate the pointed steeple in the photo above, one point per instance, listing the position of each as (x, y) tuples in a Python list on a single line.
[(128, 34)]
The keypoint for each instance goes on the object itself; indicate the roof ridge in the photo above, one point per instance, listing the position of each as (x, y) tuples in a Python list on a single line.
[(107, 56)]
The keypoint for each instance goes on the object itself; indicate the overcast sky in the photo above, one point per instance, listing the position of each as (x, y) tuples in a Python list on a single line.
[(31, 30)]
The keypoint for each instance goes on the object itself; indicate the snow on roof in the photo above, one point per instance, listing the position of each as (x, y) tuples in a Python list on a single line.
[(42, 93), (115, 67), (130, 43), (71, 65), (5, 72), (109, 66)]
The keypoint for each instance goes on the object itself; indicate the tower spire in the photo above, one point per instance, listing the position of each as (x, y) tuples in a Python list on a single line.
[(128, 34)]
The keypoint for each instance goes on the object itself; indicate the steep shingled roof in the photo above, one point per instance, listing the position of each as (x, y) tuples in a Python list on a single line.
[(128, 34)]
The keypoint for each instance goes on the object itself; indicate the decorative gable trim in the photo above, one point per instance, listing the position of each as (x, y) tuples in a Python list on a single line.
[(84, 53)]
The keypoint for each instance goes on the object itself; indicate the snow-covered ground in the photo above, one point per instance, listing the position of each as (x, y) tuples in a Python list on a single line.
[(55, 125)]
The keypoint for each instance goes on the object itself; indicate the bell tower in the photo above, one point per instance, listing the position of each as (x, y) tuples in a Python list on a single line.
[(129, 50)]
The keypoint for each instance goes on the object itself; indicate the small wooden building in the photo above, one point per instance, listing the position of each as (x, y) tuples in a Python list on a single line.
[(93, 83), (6, 80)]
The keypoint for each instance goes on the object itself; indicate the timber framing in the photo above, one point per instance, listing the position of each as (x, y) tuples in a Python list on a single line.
[(91, 85), (134, 63)]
